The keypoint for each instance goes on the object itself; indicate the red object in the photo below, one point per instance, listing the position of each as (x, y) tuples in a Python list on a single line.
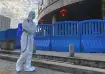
[(41, 21), (63, 12)]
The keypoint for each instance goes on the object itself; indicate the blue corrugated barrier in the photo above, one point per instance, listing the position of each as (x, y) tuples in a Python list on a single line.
[(11, 34), (65, 33), (42, 39), (86, 36), (3, 35), (92, 35)]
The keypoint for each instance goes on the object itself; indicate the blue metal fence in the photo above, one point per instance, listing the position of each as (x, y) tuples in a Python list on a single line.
[(2, 35), (8, 34), (65, 33), (11, 34), (87, 36), (92, 35), (43, 37)]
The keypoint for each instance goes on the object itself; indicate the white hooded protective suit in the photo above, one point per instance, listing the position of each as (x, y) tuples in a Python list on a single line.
[(27, 42)]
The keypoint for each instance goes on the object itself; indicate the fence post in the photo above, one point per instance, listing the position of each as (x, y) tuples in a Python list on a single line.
[(71, 50), (50, 35), (44, 33)]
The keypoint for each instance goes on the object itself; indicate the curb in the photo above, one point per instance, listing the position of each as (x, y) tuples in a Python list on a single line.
[(68, 68), (73, 60)]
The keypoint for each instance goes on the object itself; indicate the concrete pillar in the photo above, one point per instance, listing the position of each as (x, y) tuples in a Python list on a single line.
[(53, 19), (44, 33), (53, 22), (71, 50), (103, 9)]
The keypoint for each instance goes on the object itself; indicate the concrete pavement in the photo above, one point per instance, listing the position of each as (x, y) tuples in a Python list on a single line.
[(7, 67), (91, 56), (50, 65)]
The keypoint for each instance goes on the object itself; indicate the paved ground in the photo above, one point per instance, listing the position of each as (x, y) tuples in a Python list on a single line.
[(7, 67), (93, 56)]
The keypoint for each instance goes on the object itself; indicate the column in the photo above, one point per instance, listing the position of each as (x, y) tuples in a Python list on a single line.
[(103, 9), (53, 22)]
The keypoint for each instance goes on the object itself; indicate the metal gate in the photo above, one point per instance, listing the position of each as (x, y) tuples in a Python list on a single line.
[(43, 37), (87, 36), (65, 33), (92, 34)]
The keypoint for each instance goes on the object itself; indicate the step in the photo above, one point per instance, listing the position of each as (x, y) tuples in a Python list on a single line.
[(64, 67), (70, 60)]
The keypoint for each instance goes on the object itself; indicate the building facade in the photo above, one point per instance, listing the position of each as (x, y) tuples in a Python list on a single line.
[(4, 23), (77, 10)]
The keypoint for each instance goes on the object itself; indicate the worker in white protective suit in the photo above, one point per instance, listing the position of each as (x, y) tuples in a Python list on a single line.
[(27, 42)]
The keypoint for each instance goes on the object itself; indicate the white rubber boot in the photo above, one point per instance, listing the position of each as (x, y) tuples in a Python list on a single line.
[(17, 69), (33, 67), (30, 69)]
